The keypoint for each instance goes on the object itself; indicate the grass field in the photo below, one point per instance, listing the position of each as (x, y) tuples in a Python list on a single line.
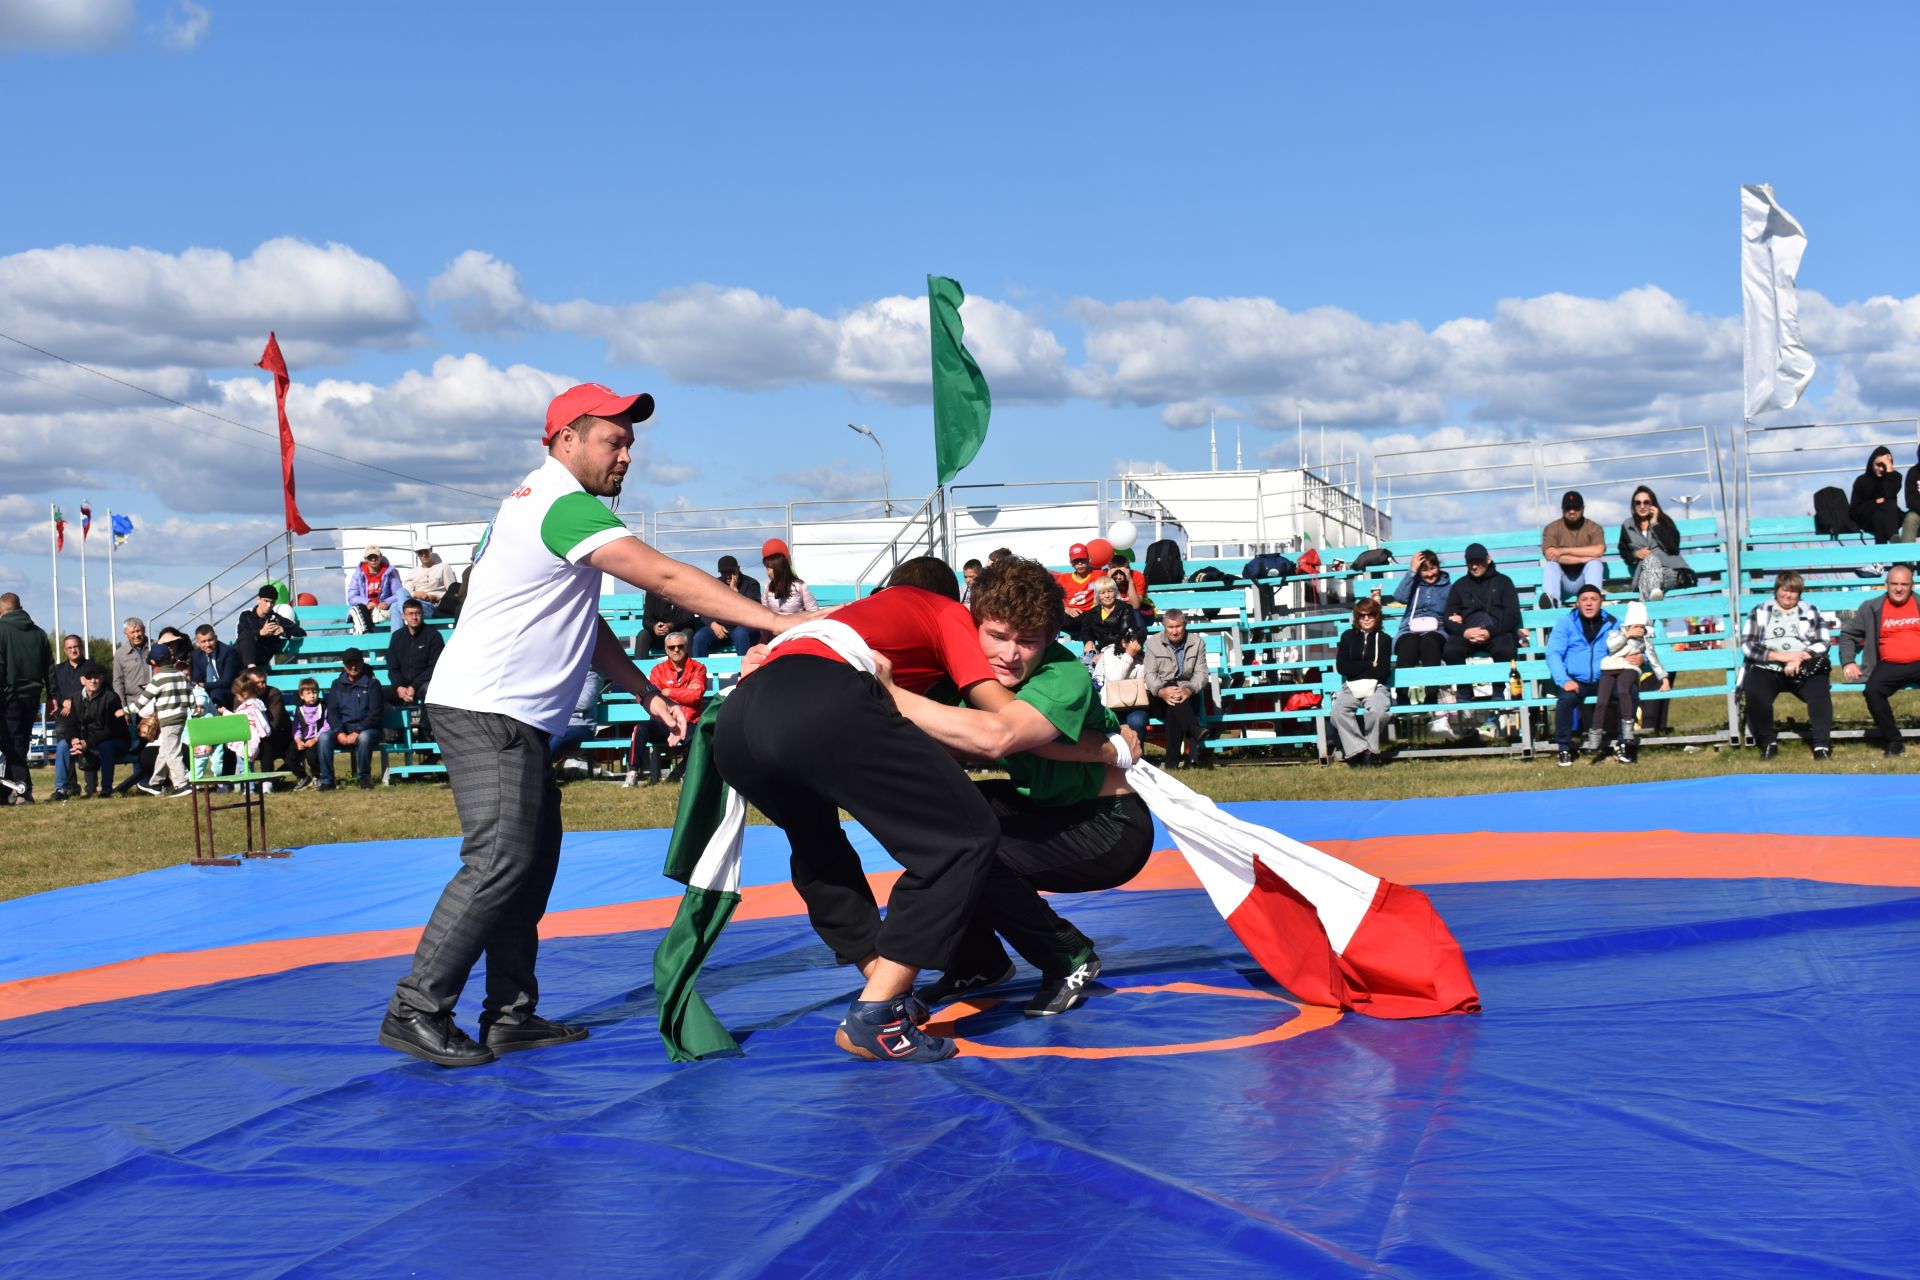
[(48, 846)]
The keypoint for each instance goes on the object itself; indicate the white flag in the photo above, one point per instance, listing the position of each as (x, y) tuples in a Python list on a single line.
[(1778, 365)]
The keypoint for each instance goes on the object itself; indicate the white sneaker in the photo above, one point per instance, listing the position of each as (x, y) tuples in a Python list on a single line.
[(1658, 593), (1440, 727), (631, 780)]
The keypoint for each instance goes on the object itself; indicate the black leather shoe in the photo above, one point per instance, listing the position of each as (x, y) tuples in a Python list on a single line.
[(1895, 748), (1769, 751), (531, 1032), (434, 1038)]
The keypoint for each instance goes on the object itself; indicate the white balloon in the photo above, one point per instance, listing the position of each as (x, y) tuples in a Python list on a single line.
[(1122, 534)]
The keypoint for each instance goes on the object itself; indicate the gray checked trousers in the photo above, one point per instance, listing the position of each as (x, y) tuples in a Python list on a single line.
[(509, 808)]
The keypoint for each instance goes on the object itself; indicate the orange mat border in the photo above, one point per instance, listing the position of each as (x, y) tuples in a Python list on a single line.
[(1454, 858)]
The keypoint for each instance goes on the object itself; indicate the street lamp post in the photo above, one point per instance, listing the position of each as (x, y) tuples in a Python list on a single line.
[(886, 489), (1686, 504)]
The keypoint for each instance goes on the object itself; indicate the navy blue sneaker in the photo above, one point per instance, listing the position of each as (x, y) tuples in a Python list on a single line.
[(885, 1031), (1061, 992), (952, 986)]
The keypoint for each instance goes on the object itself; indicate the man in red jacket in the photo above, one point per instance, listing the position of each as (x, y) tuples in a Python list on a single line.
[(682, 679)]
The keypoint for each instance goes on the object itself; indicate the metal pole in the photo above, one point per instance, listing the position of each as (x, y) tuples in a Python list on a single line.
[(86, 622), (53, 545), (113, 605)]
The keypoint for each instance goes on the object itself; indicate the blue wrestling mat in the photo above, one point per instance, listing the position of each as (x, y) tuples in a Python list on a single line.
[(1700, 1056)]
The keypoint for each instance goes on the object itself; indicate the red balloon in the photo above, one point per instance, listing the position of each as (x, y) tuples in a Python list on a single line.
[(305, 598), (1100, 551)]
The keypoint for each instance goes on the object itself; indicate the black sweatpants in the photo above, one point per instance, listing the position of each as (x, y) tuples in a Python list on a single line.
[(17, 717), (1764, 686), (804, 737), (1098, 844), (1885, 680), (1501, 648)]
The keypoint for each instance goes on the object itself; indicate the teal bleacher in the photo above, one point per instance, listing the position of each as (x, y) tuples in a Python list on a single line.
[(1270, 641)]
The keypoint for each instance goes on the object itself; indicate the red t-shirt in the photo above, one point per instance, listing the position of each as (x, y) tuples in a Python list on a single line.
[(1079, 590), (1900, 632), (927, 638)]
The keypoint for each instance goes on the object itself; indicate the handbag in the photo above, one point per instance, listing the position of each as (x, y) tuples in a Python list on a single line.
[(149, 727), (1122, 695), (1684, 578)]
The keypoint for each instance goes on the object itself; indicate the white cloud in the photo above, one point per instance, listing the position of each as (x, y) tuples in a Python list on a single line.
[(740, 338), (63, 25), (141, 308), (184, 24), (833, 480), (464, 423), (484, 293)]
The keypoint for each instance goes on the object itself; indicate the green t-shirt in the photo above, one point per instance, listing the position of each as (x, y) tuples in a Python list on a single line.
[(1061, 690)]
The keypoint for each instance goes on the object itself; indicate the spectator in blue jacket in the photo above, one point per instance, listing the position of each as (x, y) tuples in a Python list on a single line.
[(214, 666), (375, 593), (355, 705), (1574, 653), (1421, 640)]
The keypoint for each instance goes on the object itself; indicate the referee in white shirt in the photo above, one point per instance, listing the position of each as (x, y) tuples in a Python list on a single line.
[(505, 686)]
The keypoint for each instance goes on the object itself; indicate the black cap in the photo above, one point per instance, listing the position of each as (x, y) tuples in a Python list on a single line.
[(92, 671), (1586, 587), (267, 593), (728, 565), (353, 658), (1477, 554), (1572, 501)]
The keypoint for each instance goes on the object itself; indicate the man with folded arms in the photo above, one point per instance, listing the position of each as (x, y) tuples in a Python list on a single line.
[(503, 688)]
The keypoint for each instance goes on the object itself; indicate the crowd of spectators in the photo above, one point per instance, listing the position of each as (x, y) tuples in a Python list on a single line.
[(132, 712)]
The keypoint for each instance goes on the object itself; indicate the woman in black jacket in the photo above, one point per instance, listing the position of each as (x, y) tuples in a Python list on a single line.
[(1875, 504), (1364, 659), (1650, 544)]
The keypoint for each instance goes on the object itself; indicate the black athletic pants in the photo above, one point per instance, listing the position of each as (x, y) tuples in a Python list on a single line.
[(1764, 685), (1885, 680), (1099, 844), (804, 737), (1420, 649), (17, 716)]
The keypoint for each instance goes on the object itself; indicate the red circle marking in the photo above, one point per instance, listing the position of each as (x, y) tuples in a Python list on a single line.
[(1309, 1017)]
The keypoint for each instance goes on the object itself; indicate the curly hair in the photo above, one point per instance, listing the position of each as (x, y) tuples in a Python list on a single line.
[(1022, 593)]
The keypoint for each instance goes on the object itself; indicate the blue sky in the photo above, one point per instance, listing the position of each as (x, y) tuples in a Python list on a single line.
[(1398, 221)]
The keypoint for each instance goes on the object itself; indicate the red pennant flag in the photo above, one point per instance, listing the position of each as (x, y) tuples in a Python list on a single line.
[(86, 521), (274, 363)]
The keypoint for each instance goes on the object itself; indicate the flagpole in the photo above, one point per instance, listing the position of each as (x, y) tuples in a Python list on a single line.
[(113, 605), (53, 537), (86, 625)]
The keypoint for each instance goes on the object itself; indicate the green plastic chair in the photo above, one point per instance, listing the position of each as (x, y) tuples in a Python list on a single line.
[(213, 732)]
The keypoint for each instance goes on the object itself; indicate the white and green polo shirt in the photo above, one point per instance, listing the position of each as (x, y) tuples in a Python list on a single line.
[(526, 633)]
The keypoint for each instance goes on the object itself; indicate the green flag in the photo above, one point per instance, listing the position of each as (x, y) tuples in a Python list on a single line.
[(704, 855), (961, 404)]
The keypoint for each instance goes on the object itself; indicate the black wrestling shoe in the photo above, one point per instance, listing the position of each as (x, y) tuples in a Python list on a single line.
[(434, 1038), (1564, 759), (952, 986), (531, 1032), (1895, 748), (1769, 750), (1823, 753), (1059, 993)]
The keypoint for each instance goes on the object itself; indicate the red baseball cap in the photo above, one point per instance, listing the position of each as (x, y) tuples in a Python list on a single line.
[(1078, 551), (592, 400), (774, 546)]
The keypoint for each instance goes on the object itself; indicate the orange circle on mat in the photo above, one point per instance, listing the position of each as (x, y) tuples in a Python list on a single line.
[(1309, 1018)]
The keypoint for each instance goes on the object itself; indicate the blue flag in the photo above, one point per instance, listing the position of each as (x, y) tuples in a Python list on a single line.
[(122, 526)]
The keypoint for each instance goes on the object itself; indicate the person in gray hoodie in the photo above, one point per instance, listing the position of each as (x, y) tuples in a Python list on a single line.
[(1880, 641)]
